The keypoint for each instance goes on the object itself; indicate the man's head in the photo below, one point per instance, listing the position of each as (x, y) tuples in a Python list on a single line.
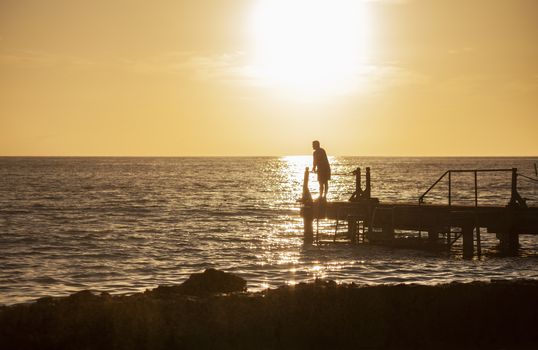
[(315, 144)]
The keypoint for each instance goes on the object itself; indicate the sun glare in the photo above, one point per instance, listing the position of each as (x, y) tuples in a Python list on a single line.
[(309, 46)]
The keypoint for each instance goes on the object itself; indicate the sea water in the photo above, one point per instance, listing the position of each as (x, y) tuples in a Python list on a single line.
[(123, 225)]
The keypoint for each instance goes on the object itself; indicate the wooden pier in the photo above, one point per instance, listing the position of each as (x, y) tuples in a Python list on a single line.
[(434, 226)]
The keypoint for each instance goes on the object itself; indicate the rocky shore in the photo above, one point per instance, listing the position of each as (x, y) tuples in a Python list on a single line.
[(213, 310)]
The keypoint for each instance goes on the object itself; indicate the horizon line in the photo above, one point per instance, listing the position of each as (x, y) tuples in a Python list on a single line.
[(265, 156)]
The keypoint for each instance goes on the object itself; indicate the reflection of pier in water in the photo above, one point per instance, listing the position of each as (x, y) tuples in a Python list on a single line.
[(434, 226)]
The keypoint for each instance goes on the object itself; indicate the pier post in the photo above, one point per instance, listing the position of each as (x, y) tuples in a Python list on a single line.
[(307, 197), (508, 242), (352, 230), (367, 191), (307, 210), (387, 230), (508, 237), (516, 201), (478, 242), (358, 186), (478, 236), (308, 223), (358, 194), (468, 249), (433, 235)]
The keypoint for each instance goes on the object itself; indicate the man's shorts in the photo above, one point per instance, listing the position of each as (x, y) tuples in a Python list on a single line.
[(324, 175)]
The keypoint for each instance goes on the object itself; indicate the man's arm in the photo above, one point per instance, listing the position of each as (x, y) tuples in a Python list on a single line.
[(315, 163)]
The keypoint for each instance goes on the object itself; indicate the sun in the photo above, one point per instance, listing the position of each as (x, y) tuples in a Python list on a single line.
[(311, 47)]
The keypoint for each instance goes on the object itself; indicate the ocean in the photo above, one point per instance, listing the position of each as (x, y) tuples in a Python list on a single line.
[(124, 225)]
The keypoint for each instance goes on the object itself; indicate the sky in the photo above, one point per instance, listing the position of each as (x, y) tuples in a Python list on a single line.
[(266, 77)]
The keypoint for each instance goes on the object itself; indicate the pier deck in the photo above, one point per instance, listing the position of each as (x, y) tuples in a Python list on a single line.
[(370, 221)]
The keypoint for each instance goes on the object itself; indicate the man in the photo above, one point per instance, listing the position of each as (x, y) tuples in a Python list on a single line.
[(322, 167)]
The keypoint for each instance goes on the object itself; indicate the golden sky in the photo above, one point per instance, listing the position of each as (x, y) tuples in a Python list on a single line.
[(266, 77)]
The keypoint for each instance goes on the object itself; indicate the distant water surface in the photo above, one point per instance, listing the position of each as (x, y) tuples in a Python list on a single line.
[(126, 224)]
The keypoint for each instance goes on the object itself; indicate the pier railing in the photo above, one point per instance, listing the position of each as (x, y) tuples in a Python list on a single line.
[(358, 194), (515, 199)]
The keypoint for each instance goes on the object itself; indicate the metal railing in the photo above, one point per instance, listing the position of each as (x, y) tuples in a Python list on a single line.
[(515, 198)]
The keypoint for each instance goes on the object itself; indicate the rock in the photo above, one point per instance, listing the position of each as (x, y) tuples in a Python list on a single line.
[(164, 291), (83, 296), (45, 300), (212, 281), (209, 282)]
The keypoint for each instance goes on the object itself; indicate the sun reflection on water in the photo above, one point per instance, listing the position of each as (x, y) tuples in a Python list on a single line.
[(287, 258), (294, 168)]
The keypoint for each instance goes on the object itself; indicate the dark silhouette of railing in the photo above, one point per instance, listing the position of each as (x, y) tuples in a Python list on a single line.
[(358, 194), (515, 199)]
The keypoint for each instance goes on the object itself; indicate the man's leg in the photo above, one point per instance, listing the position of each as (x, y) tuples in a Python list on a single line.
[(326, 188)]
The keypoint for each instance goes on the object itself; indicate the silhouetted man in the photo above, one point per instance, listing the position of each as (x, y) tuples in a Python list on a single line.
[(322, 167)]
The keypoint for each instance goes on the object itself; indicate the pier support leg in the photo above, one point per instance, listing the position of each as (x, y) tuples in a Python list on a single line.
[(468, 248), (352, 230), (478, 242), (308, 222), (433, 235), (508, 242), (387, 232)]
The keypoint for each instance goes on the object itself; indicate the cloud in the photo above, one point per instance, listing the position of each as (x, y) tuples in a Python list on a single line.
[(41, 59), (390, 75), (223, 67), (170, 63), (476, 84), (234, 69)]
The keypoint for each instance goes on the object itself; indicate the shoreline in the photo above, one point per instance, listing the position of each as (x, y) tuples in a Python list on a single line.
[(501, 314), (259, 291)]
